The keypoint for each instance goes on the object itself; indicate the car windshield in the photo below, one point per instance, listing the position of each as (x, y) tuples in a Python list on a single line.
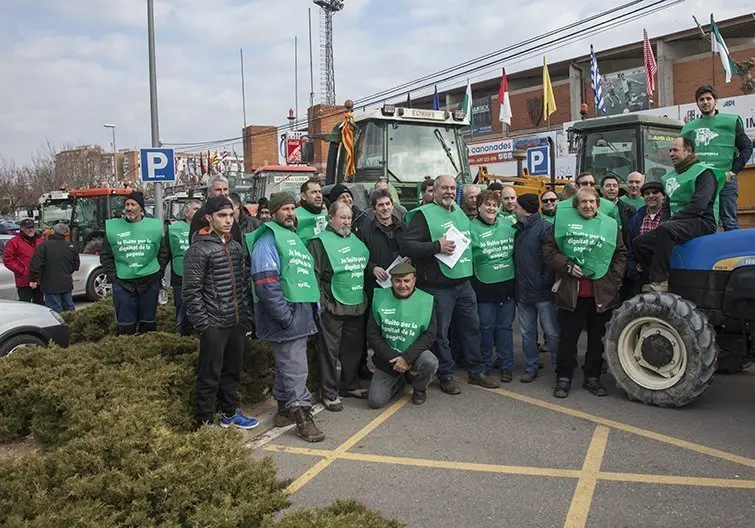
[(416, 151), (613, 151)]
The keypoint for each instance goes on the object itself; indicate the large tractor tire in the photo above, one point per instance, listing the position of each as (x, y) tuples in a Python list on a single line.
[(661, 350)]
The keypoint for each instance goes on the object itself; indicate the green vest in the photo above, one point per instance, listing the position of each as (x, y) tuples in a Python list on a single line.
[(135, 246), (309, 225), (493, 250), (348, 257), (714, 139), (402, 321), (510, 217), (634, 202), (548, 218), (438, 221), (297, 273), (178, 238), (589, 243), (680, 187), (607, 207)]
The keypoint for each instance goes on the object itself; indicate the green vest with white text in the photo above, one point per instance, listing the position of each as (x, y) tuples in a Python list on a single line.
[(178, 238), (309, 225), (439, 220), (714, 139), (493, 250), (348, 257), (680, 188), (135, 246), (588, 242), (402, 321)]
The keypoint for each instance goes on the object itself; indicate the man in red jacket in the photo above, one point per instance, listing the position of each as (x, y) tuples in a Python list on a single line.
[(17, 258)]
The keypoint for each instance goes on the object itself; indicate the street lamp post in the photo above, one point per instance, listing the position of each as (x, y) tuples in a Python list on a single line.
[(115, 172)]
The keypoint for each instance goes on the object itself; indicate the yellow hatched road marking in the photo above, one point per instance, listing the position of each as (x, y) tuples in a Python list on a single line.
[(583, 494)]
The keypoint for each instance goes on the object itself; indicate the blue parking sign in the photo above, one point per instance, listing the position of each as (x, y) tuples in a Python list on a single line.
[(157, 165), (538, 161)]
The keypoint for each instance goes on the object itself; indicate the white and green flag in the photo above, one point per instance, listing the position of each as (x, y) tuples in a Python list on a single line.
[(717, 45), (466, 104)]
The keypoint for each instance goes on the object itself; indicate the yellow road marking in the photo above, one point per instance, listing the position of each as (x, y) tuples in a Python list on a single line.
[(684, 444), (677, 480), (348, 444), (583, 494)]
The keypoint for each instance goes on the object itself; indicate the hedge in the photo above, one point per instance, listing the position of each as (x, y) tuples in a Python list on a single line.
[(114, 418)]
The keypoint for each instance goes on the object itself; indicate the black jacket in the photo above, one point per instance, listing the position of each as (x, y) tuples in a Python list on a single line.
[(134, 285), (214, 283), (417, 245), (383, 244), (626, 212), (383, 351), (53, 264), (533, 279)]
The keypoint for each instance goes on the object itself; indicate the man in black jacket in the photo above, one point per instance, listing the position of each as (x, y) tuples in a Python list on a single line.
[(214, 287), (691, 191), (218, 187), (609, 189), (52, 267), (402, 327)]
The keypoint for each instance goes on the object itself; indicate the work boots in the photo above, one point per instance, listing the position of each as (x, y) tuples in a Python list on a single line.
[(305, 425), (283, 417)]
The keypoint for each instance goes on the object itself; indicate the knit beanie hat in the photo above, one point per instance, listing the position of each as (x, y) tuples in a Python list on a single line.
[(529, 202), (279, 199), (337, 190), (60, 229), (137, 197), (217, 203)]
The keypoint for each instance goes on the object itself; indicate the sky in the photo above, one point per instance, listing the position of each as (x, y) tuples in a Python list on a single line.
[(70, 67)]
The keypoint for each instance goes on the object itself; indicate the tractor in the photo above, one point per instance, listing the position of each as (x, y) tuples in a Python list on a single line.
[(664, 348)]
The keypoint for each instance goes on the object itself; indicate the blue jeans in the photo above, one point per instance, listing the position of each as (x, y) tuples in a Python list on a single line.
[(496, 325), (183, 326), (135, 310), (727, 207), (460, 304), (528, 316), (60, 302)]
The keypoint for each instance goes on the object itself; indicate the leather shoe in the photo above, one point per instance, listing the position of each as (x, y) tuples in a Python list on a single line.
[(419, 397), (483, 381), (594, 386), (561, 390), (528, 377), (450, 387), (506, 376)]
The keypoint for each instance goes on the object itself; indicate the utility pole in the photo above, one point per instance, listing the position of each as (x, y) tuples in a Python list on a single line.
[(153, 100), (296, 76), (115, 172)]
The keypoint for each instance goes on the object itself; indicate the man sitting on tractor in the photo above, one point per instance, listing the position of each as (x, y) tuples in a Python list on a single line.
[(692, 190)]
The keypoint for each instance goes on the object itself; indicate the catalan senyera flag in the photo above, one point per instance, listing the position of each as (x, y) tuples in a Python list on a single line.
[(347, 138), (549, 100)]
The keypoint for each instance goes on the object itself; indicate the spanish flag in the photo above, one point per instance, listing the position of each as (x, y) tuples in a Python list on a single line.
[(549, 101)]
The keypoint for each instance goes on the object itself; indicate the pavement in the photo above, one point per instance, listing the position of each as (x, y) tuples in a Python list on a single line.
[(516, 456)]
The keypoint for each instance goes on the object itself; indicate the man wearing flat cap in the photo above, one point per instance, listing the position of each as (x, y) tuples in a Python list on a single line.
[(401, 329), (340, 259), (214, 292), (17, 258), (134, 258), (647, 218), (285, 302), (52, 268)]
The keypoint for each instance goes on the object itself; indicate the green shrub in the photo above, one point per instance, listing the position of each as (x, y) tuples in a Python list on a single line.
[(342, 514)]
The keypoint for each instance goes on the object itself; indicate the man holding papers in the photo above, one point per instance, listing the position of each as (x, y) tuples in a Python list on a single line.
[(438, 241)]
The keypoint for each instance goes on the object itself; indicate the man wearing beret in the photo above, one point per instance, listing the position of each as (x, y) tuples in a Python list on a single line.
[(134, 258), (647, 218), (285, 302), (214, 292), (17, 258), (401, 329), (340, 259), (424, 239)]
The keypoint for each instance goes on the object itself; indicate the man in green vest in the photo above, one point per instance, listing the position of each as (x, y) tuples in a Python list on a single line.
[(692, 190), (548, 203), (175, 244), (469, 200), (720, 141), (508, 202), (285, 301), (401, 329), (426, 242), (134, 258), (311, 219), (607, 207), (340, 259), (633, 197)]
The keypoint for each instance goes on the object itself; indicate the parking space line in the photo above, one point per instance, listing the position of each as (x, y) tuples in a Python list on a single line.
[(583, 493), (348, 444), (677, 480), (684, 444)]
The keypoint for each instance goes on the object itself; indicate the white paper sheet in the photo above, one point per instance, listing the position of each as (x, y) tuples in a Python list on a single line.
[(462, 243), (387, 282)]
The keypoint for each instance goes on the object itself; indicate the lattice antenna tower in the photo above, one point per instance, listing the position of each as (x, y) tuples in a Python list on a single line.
[(327, 67)]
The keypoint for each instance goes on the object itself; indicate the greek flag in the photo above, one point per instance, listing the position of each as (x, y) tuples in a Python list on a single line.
[(597, 89)]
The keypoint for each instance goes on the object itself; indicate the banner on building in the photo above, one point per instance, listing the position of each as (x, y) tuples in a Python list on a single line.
[(482, 120), (624, 92)]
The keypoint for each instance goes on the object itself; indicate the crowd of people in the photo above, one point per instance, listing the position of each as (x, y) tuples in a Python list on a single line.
[(428, 290)]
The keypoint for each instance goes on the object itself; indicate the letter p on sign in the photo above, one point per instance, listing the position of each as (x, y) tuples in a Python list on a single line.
[(157, 165), (538, 161)]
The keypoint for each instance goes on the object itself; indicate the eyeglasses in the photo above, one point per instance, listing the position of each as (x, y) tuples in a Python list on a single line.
[(550, 200), (648, 193), (586, 184)]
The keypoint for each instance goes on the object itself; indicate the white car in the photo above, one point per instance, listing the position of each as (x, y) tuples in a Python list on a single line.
[(89, 281), (26, 324)]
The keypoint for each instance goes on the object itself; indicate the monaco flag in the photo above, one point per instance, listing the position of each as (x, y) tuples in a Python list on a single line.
[(504, 114)]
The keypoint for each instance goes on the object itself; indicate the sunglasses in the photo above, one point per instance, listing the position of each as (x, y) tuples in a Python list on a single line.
[(550, 200), (586, 184), (648, 193)]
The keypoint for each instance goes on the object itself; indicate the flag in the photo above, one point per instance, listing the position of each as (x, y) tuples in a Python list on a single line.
[(504, 113), (549, 100), (597, 88), (717, 45), (436, 99), (347, 139), (466, 104), (650, 65)]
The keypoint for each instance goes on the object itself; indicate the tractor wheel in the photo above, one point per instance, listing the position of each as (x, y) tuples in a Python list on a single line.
[(661, 350)]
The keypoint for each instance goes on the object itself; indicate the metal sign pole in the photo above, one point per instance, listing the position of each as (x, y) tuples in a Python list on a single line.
[(153, 101)]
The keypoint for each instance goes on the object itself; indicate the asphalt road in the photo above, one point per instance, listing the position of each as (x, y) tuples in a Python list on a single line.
[(518, 457)]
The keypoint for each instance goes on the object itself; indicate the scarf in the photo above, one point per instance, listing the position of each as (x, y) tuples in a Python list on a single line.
[(685, 164)]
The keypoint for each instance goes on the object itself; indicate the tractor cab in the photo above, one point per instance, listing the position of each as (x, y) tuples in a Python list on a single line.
[(403, 146), (272, 179), (53, 207), (623, 144), (90, 209)]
